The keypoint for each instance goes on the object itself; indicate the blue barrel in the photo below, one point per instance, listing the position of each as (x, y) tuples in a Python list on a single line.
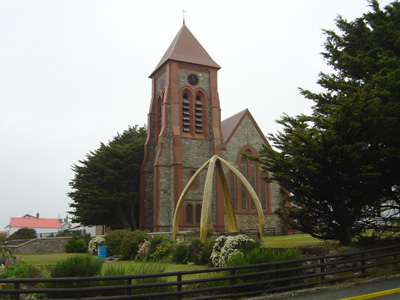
[(102, 252)]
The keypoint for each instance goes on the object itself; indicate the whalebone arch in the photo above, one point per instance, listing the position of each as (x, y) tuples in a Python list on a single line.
[(206, 227)]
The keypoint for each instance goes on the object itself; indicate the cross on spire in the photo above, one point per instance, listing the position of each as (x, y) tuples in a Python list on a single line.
[(183, 12)]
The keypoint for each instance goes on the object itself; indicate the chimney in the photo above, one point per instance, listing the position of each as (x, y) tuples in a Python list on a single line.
[(37, 215)]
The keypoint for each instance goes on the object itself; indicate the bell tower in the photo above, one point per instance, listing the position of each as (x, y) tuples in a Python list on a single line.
[(184, 131)]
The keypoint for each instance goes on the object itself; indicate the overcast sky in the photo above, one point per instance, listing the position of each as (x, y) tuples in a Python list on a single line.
[(75, 73)]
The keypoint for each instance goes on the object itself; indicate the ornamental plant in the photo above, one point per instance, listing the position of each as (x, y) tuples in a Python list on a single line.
[(5, 254), (143, 251), (94, 243), (226, 247)]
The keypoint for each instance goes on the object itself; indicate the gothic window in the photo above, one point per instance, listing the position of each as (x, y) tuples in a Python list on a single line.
[(189, 214), (198, 214), (185, 113)]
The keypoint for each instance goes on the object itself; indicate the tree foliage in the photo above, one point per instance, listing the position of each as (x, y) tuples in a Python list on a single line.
[(23, 234), (105, 189), (340, 166)]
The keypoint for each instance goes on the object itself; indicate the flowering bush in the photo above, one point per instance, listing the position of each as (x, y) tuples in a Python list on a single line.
[(5, 254), (226, 247), (94, 243), (143, 251)]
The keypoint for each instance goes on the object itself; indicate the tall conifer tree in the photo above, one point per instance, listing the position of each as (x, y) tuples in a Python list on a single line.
[(340, 166)]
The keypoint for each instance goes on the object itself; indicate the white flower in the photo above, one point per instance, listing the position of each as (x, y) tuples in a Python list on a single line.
[(226, 247), (94, 243)]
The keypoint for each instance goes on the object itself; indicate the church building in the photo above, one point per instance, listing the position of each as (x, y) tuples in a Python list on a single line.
[(184, 131)]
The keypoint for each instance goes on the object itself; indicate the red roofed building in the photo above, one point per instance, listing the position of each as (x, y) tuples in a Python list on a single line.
[(42, 226)]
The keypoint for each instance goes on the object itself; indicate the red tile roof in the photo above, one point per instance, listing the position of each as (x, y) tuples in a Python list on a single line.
[(35, 223)]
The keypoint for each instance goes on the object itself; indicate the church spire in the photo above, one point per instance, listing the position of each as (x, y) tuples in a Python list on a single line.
[(186, 48), (183, 11)]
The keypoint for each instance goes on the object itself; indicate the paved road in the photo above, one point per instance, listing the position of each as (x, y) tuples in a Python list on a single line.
[(343, 291)]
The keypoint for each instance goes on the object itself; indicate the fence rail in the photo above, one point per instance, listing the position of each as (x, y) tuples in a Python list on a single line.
[(213, 283)]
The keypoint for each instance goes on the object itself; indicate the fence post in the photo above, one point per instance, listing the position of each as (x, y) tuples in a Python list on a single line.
[(16, 287), (322, 269), (233, 280), (179, 285), (78, 294), (129, 282), (363, 263)]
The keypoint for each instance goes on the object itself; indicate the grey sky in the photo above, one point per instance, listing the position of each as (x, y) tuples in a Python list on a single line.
[(74, 73)]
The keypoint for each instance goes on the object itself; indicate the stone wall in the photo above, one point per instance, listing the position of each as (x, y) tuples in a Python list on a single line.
[(37, 246)]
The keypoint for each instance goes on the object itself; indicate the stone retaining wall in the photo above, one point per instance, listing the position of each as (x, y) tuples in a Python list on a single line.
[(43, 245)]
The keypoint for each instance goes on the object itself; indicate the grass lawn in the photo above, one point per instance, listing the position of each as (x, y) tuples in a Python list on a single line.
[(289, 241)]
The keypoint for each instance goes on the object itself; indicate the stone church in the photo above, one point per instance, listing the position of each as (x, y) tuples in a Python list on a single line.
[(184, 131)]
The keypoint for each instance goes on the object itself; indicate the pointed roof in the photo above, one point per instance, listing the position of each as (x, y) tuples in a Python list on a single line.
[(186, 48), (231, 124)]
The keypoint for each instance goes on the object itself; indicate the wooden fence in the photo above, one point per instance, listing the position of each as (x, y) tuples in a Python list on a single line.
[(213, 283)]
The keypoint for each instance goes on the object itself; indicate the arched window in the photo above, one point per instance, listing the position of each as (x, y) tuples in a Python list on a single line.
[(189, 214), (198, 214)]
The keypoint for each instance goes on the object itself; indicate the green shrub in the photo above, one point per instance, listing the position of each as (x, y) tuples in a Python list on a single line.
[(76, 244), (77, 266), (181, 254), (195, 248), (130, 243), (3, 237), (114, 241), (205, 253), (21, 269), (23, 234)]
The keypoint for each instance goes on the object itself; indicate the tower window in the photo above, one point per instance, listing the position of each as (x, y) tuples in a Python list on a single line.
[(193, 114), (185, 113), (198, 115)]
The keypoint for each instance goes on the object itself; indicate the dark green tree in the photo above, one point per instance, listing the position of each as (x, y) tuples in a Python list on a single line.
[(105, 189), (340, 166)]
